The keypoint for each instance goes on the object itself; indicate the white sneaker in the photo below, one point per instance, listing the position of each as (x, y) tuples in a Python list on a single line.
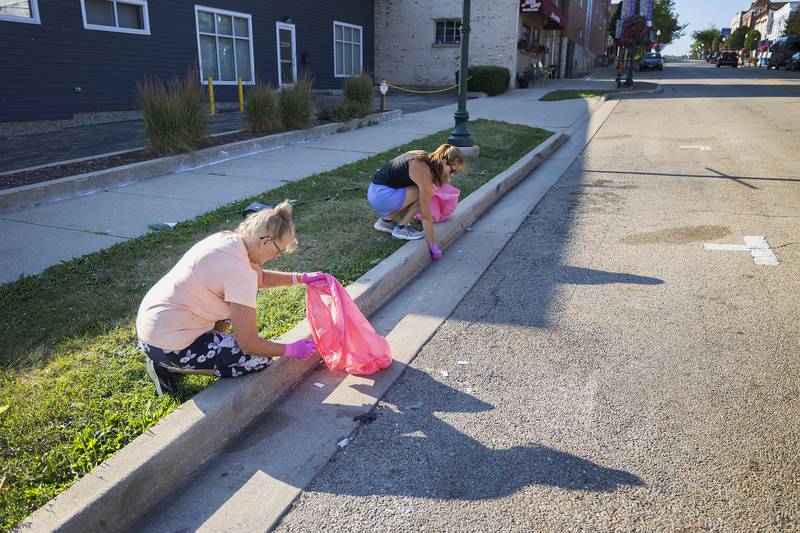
[(386, 227), (406, 233)]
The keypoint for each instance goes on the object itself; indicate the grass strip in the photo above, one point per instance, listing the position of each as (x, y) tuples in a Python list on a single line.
[(571, 94), (73, 389)]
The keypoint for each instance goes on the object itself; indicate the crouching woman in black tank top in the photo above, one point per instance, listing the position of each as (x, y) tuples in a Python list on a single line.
[(404, 187)]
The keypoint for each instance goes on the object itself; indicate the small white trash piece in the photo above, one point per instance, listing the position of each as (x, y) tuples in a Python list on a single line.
[(445, 373), (319, 385), (463, 363), (344, 442)]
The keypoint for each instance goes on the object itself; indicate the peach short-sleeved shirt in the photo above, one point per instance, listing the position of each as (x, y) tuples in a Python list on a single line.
[(197, 292)]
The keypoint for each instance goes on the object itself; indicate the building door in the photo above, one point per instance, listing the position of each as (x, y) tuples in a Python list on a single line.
[(287, 56)]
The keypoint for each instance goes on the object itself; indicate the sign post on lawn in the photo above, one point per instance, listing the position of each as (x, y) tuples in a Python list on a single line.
[(384, 88)]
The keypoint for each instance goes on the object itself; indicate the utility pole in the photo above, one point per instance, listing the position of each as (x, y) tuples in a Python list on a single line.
[(631, 47), (461, 136)]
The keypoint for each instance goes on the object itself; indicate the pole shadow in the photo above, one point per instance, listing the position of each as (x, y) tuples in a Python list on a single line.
[(412, 452)]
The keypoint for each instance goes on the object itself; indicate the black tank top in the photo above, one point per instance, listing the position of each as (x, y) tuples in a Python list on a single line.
[(394, 174)]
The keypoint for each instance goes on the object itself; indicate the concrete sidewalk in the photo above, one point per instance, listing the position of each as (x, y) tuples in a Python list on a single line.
[(41, 236)]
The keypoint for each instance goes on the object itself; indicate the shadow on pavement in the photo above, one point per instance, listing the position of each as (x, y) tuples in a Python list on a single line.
[(420, 455), (456, 465), (716, 175)]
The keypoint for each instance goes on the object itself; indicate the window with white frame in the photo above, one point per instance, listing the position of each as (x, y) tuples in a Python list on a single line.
[(19, 11), (448, 31), (347, 49), (224, 45), (124, 16)]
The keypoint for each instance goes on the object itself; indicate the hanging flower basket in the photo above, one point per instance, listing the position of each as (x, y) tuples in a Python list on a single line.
[(634, 31)]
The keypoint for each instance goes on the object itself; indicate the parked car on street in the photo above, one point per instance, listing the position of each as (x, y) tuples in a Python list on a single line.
[(795, 64), (728, 58), (782, 50), (651, 61)]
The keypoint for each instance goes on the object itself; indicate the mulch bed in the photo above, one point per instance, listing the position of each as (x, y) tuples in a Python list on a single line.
[(39, 175)]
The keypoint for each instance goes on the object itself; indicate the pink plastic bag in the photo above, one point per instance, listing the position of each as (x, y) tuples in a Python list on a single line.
[(345, 338), (443, 202)]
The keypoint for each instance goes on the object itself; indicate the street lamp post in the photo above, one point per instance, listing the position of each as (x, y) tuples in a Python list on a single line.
[(631, 49), (461, 136)]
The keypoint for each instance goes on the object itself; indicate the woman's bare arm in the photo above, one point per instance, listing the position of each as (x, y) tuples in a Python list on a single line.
[(246, 332), (420, 173)]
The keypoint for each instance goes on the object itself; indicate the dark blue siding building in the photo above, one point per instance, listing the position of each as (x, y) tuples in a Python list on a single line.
[(60, 57)]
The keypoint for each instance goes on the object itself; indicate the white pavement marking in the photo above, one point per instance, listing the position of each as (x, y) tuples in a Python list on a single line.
[(727, 247), (755, 244), (762, 253), (702, 148)]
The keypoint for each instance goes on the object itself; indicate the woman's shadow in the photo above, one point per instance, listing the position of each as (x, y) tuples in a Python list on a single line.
[(409, 451)]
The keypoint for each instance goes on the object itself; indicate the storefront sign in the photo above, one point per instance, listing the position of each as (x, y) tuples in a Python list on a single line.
[(528, 6), (547, 9)]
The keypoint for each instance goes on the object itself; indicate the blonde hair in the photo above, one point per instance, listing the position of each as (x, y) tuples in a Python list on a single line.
[(275, 223), (445, 154)]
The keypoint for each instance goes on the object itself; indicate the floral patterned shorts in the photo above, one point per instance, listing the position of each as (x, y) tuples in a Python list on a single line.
[(213, 350)]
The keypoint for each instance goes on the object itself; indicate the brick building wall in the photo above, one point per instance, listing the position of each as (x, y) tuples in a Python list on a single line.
[(406, 52), (599, 27)]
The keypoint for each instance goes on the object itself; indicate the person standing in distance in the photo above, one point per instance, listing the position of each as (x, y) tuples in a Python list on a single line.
[(404, 187)]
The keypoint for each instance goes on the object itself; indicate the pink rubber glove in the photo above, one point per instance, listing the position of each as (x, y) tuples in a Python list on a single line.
[(302, 349), (311, 277), (436, 253)]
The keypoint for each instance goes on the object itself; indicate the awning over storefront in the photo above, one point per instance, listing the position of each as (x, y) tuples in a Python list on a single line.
[(547, 9)]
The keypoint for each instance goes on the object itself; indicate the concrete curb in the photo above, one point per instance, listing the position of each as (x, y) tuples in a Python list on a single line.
[(121, 490), (622, 94), (18, 198)]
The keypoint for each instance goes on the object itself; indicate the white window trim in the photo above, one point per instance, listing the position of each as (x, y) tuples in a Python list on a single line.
[(291, 27), (436, 21), (360, 49), (116, 29), (33, 19), (197, 9)]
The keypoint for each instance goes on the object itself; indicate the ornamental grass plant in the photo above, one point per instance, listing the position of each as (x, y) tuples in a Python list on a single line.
[(173, 113), (262, 109), (297, 104)]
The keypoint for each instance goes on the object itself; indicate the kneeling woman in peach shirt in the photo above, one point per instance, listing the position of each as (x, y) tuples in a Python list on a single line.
[(182, 320)]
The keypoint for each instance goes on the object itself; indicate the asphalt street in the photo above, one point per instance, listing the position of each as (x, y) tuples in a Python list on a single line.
[(618, 375)]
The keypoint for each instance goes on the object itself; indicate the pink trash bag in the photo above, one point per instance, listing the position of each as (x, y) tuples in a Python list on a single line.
[(345, 338), (443, 202)]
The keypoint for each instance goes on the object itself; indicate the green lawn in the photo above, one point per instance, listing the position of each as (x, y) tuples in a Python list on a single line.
[(73, 389), (571, 94)]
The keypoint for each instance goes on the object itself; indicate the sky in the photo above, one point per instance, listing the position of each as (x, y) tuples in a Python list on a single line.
[(700, 14)]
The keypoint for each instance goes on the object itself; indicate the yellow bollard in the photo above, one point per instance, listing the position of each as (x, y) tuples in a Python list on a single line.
[(241, 97), (211, 94)]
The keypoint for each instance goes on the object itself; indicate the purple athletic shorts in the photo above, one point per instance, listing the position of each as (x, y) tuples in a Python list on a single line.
[(385, 200)]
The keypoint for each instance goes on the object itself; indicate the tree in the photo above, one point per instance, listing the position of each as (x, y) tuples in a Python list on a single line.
[(666, 20), (793, 24), (751, 39), (715, 42), (705, 38), (735, 40)]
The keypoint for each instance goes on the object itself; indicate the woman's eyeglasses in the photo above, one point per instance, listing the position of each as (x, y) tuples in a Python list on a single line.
[(275, 244)]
